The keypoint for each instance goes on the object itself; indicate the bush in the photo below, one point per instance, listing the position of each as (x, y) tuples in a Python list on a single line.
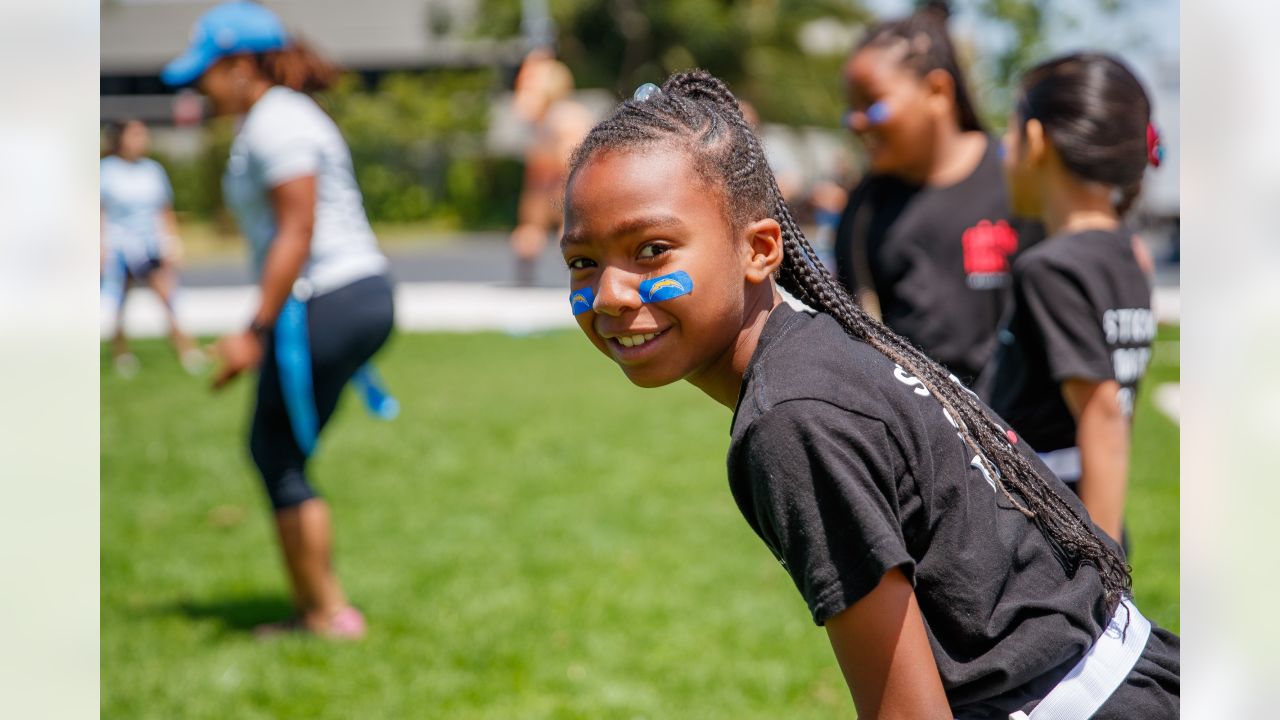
[(417, 144)]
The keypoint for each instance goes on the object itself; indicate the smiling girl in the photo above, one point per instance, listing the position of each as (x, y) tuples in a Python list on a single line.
[(927, 235), (955, 576)]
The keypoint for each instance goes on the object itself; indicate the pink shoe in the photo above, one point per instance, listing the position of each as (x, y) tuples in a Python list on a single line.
[(347, 624)]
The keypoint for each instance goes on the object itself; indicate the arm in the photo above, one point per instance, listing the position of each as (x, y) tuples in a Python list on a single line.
[(884, 652), (173, 243), (1102, 434), (294, 202)]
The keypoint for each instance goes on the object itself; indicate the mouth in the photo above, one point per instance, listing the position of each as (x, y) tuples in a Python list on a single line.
[(635, 346)]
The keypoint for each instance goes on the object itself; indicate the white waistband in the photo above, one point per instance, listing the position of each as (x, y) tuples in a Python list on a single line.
[(1065, 463), (1099, 672)]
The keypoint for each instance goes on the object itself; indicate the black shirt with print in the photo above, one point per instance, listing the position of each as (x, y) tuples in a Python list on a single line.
[(846, 467), (938, 259), (1081, 309)]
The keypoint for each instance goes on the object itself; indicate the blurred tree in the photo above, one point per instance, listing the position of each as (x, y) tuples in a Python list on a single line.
[(1030, 24), (784, 56)]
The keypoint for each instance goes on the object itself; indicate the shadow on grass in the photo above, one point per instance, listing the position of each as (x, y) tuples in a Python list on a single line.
[(237, 614)]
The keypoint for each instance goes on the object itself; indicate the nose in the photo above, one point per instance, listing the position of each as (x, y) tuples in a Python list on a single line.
[(856, 121), (618, 292)]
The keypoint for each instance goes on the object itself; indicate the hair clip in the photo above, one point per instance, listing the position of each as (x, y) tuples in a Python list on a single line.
[(1155, 151), (645, 91)]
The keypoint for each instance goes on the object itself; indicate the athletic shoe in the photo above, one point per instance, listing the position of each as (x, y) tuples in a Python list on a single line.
[(127, 365)]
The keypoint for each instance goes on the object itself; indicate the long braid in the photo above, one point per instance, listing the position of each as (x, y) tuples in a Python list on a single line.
[(698, 109)]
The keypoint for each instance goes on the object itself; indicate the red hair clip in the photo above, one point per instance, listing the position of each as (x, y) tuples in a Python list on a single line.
[(1155, 151)]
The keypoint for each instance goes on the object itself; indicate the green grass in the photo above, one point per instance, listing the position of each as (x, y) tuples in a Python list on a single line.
[(532, 538)]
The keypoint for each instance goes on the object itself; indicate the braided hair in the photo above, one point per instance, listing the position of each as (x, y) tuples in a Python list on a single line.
[(695, 111), (928, 47)]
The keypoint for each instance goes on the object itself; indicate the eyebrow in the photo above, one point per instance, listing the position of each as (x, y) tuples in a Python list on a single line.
[(629, 226)]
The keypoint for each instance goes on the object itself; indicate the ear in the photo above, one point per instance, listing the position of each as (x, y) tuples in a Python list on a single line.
[(764, 250), (942, 90), (1037, 143)]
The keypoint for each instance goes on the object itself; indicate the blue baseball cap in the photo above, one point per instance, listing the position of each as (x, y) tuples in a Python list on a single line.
[(231, 28)]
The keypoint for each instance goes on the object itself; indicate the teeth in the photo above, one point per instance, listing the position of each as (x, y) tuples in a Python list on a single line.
[(635, 340)]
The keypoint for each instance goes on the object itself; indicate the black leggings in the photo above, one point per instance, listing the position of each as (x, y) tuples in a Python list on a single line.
[(346, 327)]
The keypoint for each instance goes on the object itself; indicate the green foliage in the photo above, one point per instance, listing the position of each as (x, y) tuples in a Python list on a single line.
[(416, 143), (753, 46), (532, 538), (1029, 23)]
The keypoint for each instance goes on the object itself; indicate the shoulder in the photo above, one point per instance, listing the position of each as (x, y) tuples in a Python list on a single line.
[(813, 365), (153, 166), (285, 112)]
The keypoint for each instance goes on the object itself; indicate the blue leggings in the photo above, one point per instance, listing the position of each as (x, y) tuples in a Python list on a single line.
[(346, 327)]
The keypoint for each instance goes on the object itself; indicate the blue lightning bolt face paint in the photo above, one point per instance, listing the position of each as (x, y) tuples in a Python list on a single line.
[(877, 113), (581, 300), (666, 287)]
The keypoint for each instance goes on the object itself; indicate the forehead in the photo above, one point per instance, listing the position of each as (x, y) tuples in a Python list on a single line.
[(877, 66), (615, 185)]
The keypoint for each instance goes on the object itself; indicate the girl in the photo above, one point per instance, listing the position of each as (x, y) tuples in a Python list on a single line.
[(955, 575), (139, 238), (325, 304), (1078, 337), (926, 237)]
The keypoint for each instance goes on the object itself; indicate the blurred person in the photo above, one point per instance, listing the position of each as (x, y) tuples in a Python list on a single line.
[(543, 98), (326, 300), (954, 574), (926, 238), (139, 238), (1077, 339)]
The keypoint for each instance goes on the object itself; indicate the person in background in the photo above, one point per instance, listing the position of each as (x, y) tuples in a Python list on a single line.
[(926, 238), (543, 91), (326, 301), (1078, 338), (139, 238)]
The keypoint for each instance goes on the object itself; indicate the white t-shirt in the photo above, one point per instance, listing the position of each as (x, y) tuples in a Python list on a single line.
[(286, 136), (133, 196)]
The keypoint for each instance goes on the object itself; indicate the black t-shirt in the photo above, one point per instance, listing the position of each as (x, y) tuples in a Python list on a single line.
[(846, 467), (1082, 309), (938, 259)]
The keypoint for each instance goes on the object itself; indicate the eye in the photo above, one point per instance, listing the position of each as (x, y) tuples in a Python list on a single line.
[(653, 250), (580, 263)]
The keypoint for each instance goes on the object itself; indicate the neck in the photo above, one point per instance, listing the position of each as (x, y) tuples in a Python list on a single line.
[(956, 155), (722, 379), (1072, 206), (257, 88)]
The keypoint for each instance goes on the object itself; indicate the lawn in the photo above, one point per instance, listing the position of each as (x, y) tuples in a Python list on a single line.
[(532, 538)]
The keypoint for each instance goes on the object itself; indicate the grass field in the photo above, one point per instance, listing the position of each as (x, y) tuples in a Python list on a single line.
[(532, 538)]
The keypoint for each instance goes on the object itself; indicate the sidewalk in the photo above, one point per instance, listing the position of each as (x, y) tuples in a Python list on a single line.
[(420, 307)]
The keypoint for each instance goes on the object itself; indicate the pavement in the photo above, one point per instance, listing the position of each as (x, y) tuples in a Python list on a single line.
[(457, 284)]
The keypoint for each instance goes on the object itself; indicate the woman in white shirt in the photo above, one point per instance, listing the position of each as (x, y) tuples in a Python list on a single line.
[(326, 302), (139, 237)]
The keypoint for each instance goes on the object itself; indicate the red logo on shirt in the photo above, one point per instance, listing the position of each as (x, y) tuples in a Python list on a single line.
[(987, 248)]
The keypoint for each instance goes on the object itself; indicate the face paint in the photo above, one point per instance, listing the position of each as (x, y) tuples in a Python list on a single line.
[(877, 113), (666, 287), (582, 300)]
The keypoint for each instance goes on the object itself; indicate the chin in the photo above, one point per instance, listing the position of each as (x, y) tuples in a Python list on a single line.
[(648, 377)]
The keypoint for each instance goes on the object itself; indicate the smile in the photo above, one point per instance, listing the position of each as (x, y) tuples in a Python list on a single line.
[(636, 340)]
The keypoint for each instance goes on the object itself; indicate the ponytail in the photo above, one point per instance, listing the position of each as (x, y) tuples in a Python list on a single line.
[(1097, 115), (298, 67)]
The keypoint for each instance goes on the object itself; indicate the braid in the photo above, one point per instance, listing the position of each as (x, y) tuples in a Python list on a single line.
[(698, 109)]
